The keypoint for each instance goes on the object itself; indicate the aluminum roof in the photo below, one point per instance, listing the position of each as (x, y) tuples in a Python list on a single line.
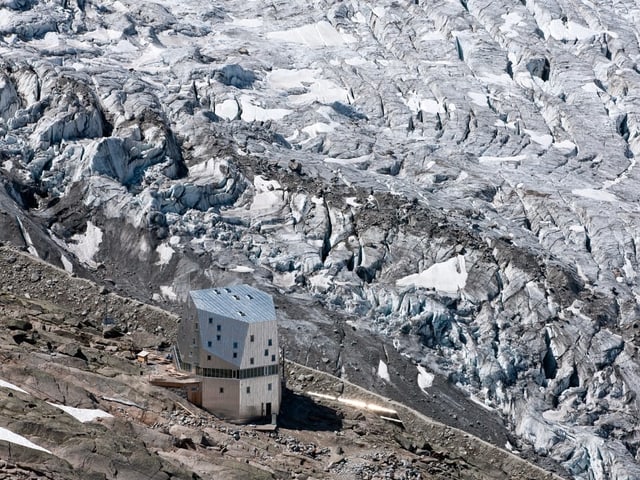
[(240, 302)]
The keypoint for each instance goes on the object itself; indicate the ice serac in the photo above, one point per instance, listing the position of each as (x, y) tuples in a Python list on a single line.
[(460, 176)]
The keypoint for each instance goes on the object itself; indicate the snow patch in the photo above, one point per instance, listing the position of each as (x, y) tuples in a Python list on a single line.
[(321, 34), (425, 379), (592, 193), (11, 386), (241, 269), (247, 22), (448, 277), (543, 139), (480, 99), (87, 245), (66, 263), (227, 109), (252, 112), (83, 414), (9, 436), (165, 252), (490, 159), (569, 30), (383, 371), (167, 292)]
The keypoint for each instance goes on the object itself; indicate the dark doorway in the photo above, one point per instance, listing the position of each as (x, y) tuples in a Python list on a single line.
[(267, 410)]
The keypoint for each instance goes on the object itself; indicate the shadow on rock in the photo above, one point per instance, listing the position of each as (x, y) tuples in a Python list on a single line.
[(302, 413)]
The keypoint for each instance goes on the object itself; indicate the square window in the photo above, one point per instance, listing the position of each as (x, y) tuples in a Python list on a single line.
[(218, 337), (270, 343), (248, 389), (235, 344), (235, 354), (270, 387), (210, 320), (221, 390), (266, 352), (252, 338), (208, 357), (218, 327), (273, 357), (209, 343), (251, 361)]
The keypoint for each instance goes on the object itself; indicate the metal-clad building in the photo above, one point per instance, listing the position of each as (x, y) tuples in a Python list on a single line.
[(231, 344)]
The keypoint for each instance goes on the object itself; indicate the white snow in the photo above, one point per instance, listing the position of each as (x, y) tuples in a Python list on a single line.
[(479, 99), (247, 22), (383, 371), (543, 139), (27, 238), (11, 386), (251, 111), (427, 105), (7, 165), (316, 89), (167, 292), (66, 263), (568, 31), (319, 128), (592, 193), (448, 277), (321, 34), (165, 252), (83, 414), (227, 109), (490, 159), (591, 87), (425, 379), (241, 269), (511, 20), (86, 245), (9, 436)]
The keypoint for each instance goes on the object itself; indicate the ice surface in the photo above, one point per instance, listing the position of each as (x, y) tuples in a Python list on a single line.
[(83, 414), (449, 276), (9, 436)]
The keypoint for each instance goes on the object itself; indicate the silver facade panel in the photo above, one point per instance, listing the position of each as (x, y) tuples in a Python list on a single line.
[(239, 302)]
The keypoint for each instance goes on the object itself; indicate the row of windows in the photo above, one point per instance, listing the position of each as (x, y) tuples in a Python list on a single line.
[(269, 387), (239, 374), (235, 344)]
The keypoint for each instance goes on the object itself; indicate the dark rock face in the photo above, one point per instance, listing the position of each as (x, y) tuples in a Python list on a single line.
[(458, 177)]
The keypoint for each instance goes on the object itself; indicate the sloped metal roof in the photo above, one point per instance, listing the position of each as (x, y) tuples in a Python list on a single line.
[(240, 302)]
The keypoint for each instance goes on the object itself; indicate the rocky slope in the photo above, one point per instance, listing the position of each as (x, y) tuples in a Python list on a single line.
[(75, 403), (456, 175)]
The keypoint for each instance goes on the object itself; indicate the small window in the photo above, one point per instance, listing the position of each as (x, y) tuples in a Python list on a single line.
[(218, 337), (218, 327), (251, 361), (249, 297), (210, 320), (270, 343), (194, 341), (273, 357), (208, 357), (266, 352), (235, 344), (235, 354), (251, 338), (209, 343), (270, 387), (248, 389), (222, 389)]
